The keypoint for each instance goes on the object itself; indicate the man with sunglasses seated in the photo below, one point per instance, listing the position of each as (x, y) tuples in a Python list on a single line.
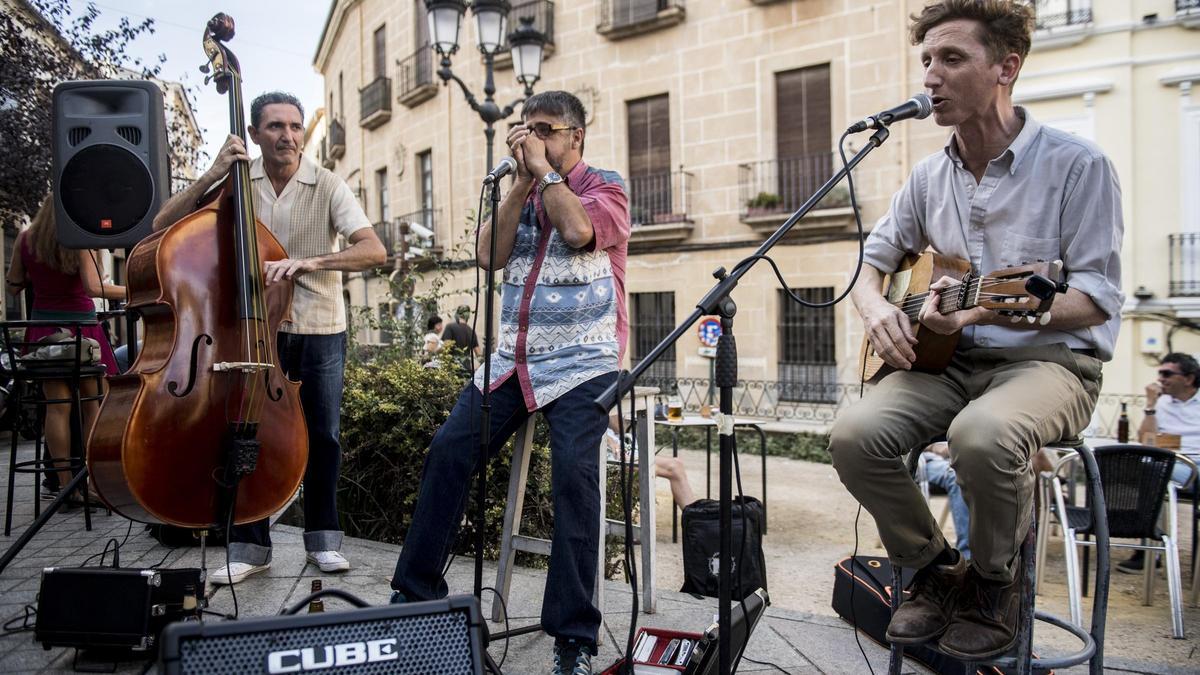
[(1172, 407), (561, 238)]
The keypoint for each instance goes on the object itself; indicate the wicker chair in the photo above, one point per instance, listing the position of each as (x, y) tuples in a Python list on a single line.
[(1135, 479)]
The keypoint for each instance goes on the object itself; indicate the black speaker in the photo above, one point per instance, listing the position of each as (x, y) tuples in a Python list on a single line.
[(439, 636), (111, 171), (106, 607)]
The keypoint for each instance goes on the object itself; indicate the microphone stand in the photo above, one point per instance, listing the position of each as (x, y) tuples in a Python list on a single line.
[(718, 301)]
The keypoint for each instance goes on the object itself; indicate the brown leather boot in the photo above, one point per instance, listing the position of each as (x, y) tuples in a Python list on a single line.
[(985, 624), (927, 612)]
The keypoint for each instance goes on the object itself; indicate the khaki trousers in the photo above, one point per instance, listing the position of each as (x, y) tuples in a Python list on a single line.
[(997, 407)]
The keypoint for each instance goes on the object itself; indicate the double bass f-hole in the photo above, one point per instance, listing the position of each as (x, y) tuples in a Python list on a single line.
[(174, 386)]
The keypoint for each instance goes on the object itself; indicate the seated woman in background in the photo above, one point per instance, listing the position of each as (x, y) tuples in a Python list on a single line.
[(64, 282)]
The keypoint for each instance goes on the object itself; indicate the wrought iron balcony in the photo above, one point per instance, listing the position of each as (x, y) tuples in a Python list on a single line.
[(1188, 12), (625, 18), (1187, 5), (326, 161), (771, 190), (1185, 264), (414, 76), (375, 103), (336, 139), (1078, 14), (658, 206), (542, 13)]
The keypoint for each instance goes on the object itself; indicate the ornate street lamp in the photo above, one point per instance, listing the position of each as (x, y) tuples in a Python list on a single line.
[(527, 45), (491, 21), (445, 19)]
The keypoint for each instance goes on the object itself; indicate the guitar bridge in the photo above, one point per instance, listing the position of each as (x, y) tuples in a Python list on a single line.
[(243, 366)]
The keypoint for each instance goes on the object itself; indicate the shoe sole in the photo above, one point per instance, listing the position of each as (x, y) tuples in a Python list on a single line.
[(980, 656), (230, 581), (336, 567), (915, 640)]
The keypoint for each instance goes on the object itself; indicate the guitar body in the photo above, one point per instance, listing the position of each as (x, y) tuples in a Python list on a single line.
[(915, 274)]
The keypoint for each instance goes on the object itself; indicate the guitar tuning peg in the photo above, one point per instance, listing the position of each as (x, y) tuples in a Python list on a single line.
[(1031, 318), (1013, 318), (1044, 319), (204, 69)]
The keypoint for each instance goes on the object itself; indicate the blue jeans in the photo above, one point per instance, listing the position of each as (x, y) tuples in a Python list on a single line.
[(319, 363), (939, 472), (576, 427)]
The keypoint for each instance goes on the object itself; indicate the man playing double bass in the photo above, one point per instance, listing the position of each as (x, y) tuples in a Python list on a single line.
[(306, 207), (1003, 191)]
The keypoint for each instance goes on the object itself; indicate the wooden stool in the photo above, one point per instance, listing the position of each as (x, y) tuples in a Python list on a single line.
[(512, 540)]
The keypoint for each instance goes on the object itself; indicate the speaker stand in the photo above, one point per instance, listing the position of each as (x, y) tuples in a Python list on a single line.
[(63, 495)]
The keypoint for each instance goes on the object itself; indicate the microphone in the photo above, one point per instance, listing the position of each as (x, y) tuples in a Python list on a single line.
[(919, 107), (505, 167)]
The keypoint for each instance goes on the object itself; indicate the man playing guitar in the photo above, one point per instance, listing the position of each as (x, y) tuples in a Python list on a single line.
[(1004, 190)]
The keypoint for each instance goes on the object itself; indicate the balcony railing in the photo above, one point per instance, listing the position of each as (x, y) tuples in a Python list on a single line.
[(326, 161), (625, 18), (336, 139), (1187, 5), (375, 103), (659, 198), (1079, 13), (542, 13), (1185, 264), (781, 185), (414, 77)]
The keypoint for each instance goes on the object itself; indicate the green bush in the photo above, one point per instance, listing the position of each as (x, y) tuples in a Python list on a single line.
[(805, 446), (390, 411), (765, 200)]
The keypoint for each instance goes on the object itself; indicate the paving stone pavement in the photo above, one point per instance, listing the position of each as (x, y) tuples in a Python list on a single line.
[(787, 641)]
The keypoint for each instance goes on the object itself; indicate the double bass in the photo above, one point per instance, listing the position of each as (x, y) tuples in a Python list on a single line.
[(204, 428)]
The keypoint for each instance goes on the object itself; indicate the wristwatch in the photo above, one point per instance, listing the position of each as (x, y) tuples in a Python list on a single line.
[(549, 179), (1148, 411)]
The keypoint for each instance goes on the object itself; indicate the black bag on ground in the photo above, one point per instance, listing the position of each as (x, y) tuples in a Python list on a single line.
[(702, 547), (870, 610)]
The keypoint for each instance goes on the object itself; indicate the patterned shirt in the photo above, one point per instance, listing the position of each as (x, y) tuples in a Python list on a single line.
[(1048, 196), (562, 310)]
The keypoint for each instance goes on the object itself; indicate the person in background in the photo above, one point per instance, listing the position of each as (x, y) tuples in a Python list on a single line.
[(433, 339), (939, 472), (64, 283), (1172, 407), (463, 337)]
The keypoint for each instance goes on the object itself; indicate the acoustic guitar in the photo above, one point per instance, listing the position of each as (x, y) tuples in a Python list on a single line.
[(1024, 292)]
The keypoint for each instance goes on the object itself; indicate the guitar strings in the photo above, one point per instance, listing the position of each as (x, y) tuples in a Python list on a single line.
[(917, 300)]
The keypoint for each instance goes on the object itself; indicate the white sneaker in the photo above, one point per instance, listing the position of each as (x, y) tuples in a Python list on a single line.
[(236, 573), (328, 561)]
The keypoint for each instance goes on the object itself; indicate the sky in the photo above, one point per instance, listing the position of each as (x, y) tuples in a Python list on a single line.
[(275, 42)]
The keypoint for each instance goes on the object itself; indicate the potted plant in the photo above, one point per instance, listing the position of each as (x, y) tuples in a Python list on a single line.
[(763, 203)]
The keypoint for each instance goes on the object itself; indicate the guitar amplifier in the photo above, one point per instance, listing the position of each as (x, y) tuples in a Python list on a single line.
[(90, 607), (438, 636)]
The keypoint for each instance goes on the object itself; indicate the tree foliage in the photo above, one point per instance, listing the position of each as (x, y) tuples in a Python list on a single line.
[(41, 45)]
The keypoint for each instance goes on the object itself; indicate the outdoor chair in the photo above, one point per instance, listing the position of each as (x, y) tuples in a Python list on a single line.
[(1135, 479), (28, 374), (1020, 659)]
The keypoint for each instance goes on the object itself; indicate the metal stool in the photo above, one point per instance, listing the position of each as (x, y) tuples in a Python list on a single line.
[(512, 540), (1021, 658), (26, 373)]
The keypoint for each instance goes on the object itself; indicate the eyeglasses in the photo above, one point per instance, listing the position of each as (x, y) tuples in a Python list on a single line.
[(544, 129), (1168, 373)]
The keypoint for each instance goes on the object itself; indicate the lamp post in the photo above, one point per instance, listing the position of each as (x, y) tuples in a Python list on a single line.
[(491, 20)]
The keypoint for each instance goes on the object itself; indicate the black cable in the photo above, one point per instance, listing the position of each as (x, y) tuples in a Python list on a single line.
[(504, 609), (748, 260), (160, 563), (853, 583), (28, 612), (764, 663), (626, 483), (116, 547)]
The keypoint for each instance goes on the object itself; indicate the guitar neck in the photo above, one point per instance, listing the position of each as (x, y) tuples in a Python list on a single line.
[(952, 298)]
